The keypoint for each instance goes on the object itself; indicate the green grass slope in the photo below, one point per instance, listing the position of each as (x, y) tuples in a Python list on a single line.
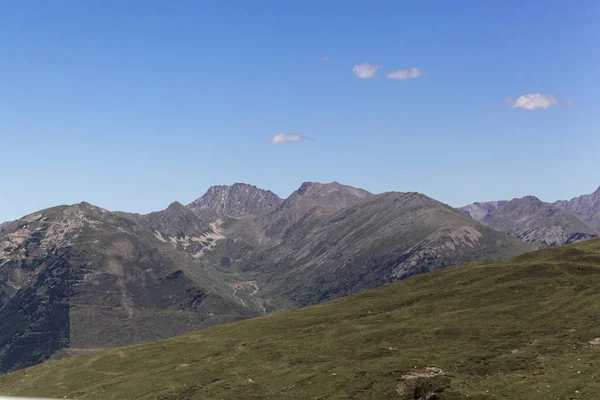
[(526, 328)]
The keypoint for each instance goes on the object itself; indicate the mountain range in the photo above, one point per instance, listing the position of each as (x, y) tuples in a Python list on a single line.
[(587, 207), (533, 220), (78, 278)]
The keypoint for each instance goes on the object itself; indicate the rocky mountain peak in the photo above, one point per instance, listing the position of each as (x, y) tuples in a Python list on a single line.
[(480, 210), (330, 196), (237, 200), (305, 187), (3, 225), (529, 199), (533, 220), (587, 207), (175, 206)]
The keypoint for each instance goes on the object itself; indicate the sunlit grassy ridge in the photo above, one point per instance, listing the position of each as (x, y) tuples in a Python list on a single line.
[(518, 329)]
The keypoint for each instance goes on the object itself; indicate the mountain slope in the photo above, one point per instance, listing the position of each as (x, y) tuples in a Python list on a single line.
[(532, 220), (480, 210), (82, 277), (586, 206), (310, 200), (525, 328), (237, 200), (4, 225), (322, 253)]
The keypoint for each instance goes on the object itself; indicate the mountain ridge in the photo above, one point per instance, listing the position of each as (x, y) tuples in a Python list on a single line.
[(376, 240), (236, 252), (480, 210), (532, 220), (587, 206), (237, 200)]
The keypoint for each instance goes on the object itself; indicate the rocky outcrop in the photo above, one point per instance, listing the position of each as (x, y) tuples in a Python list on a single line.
[(238, 200)]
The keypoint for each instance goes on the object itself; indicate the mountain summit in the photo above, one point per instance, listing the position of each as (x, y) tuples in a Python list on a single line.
[(586, 206), (480, 210), (330, 196), (309, 200), (237, 200), (532, 220)]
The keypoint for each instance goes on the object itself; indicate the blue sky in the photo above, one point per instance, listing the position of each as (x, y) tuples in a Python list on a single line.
[(132, 105)]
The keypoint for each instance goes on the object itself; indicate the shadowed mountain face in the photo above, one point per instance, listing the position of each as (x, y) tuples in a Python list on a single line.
[(480, 210), (587, 207), (532, 220), (82, 277), (237, 200)]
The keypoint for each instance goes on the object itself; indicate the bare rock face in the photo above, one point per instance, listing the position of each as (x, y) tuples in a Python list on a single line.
[(532, 220), (480, 210), (237, 200), (4, 225), (587, 207)]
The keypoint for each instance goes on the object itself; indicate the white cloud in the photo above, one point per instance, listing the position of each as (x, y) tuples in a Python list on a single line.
[(286, 138), (532, 101), (365, 71), (325, 58), (405, 74)]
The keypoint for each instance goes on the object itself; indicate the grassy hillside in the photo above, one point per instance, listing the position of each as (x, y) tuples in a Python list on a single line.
[(526, 328)]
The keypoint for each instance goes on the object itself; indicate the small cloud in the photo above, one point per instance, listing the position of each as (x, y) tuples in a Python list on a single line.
[(365, 71), (325, 59), (532, 101), (403, 74), (287, 138)]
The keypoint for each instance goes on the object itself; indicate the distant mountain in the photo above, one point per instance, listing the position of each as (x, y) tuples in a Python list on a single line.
[(311, 199), (480, 210), (586, 206), (328, 196), (82, 277), (236, 201), (318, 250), (532, 220)]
